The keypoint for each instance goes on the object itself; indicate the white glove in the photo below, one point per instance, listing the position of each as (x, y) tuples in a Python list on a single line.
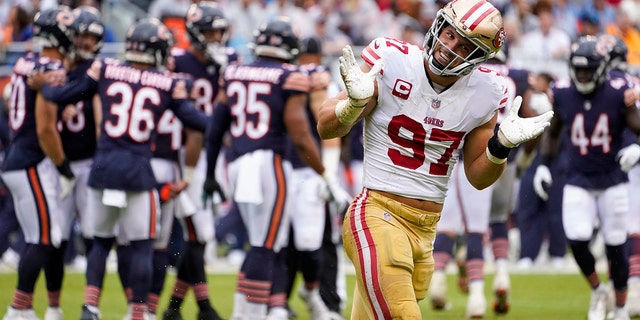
[(541, 180), (66, 186), (628, 156), (337, 194), (539, 103), (515, 130), (360, 86)]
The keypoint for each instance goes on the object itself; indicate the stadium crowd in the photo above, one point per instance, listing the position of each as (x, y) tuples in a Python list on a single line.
[(191, 167)]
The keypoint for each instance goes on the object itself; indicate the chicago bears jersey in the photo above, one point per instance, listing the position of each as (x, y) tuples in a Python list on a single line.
[(256, 96), (319, 80), (594, 125), (78, 134), (133, 101), (414, 135), (24, 150)]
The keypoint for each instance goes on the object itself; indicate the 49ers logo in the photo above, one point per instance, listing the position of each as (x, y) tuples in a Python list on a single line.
[(500, 38)]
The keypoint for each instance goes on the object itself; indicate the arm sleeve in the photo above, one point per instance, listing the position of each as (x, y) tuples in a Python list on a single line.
[(187, 113), (220, 122), (71, 92)]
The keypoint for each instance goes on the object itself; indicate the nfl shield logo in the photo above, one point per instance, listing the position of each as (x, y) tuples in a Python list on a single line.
[(435, 103)]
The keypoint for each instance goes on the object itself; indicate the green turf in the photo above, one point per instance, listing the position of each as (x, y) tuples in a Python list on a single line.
[(540, 296)]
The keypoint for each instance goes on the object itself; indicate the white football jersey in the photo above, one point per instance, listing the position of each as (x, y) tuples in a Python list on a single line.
[(413, 137)]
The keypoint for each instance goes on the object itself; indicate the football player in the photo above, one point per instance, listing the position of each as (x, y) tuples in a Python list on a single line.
[(261, 105), (133, 96), (595, 113), (416, 124), (36, 168), (203, 61)]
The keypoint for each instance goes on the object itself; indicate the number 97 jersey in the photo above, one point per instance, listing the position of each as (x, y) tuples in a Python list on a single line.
[(414, 135)]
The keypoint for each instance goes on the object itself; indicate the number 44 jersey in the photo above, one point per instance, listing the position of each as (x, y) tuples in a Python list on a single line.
[(415, 134)]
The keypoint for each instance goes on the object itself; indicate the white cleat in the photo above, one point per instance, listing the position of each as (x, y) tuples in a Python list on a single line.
[(17, 314), (501, 288), (316, 306), (633, 296), (476, 303), (620, 314), (438, 290), (54, 314), (278, 313), (598, 304)]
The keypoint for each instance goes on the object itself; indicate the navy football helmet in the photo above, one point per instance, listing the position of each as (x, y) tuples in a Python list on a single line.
[(148, 41), (617, 51), (588, 63), (205, 16), (276, 39), (55, 28), (88, 21)]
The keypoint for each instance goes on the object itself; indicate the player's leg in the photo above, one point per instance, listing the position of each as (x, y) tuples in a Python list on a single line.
[(266, 220), (553, 213), (613, 211), (501, 207), (633, 243), (390, 246), (308, 222), (105, 219), (579, 212), (35, 196), (529, 219)]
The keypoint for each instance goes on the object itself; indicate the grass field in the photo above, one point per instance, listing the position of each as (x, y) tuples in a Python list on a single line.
[(535, 296)]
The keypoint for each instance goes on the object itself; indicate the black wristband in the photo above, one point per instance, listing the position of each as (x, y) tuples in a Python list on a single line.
[(496, 149), (65, 169)]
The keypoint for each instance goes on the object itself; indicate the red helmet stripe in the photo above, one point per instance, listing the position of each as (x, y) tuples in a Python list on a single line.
[(477, 13)]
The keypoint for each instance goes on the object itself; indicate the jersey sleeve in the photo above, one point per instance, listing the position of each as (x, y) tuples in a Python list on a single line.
[(374, 51)]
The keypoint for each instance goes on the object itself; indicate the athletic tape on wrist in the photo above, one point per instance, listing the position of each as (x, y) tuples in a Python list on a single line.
[(346, 112)]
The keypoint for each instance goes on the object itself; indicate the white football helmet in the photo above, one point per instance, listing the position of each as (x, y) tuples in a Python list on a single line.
[(476, 20)]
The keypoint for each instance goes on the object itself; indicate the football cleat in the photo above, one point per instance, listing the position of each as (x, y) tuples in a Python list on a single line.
[(90, 313), (598, 304), (208, 315), (477, 303), (172, 314), (633, 296), (620, 314), (316, 306), (20, 314), (438, 289), (54, 313), (501, 288)]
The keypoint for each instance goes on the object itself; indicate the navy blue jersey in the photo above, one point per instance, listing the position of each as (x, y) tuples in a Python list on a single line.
[(206, 77), (319, 80), (256, 97), (78, 134), (133, 101), (593, 126), (24, 150)]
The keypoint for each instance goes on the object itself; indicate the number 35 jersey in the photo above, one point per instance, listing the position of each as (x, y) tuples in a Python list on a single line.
[(413, 137)]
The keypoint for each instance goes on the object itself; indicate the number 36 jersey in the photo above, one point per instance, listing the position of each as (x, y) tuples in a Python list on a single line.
[(414, 135)]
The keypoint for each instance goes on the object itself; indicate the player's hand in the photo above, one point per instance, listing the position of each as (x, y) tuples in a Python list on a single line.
[(628, 156), (541, 181), (337, 194), (210, 187), (515, 130), (360, 86), (67, 179)]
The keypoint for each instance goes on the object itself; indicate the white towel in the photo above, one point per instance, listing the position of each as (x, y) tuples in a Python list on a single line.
[(114, 198), (187, 207), (249, 181)]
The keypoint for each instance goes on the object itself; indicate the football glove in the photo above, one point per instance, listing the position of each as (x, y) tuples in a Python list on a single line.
[(542, 180), (210, 187), (336, 193), (67, 179), (515, 130), (360, 86), (628, 156)]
